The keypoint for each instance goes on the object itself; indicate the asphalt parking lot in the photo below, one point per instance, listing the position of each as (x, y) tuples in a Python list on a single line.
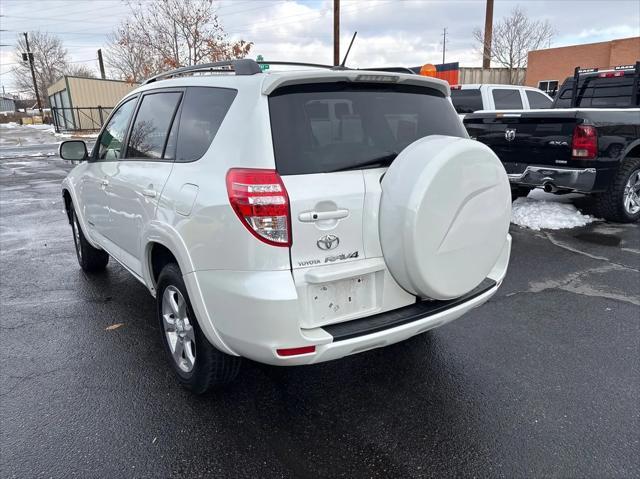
[(542, 381)]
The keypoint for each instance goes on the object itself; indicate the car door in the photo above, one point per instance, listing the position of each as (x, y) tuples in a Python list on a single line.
[(139, 178), (94, 182)]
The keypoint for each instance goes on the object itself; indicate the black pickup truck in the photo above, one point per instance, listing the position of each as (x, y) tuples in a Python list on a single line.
[(589, 142)]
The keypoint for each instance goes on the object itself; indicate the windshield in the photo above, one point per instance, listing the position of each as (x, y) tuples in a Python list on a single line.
[(327, 127)]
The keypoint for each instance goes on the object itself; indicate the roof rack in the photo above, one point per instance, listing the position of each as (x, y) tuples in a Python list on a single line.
[(240, 67), (243, 66)]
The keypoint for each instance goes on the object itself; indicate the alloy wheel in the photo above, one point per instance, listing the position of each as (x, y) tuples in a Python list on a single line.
[(178, 329), (631, 196)]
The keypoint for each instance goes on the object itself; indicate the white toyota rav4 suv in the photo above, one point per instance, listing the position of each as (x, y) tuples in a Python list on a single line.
[(290, 217)]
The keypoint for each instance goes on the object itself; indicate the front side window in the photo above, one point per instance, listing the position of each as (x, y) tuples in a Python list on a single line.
[(202, 113), (110, 144), (537, 100), (507, 99), (151, 127)]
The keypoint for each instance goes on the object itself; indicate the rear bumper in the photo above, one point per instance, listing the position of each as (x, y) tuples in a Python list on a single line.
[(572, 179), (257, 313)]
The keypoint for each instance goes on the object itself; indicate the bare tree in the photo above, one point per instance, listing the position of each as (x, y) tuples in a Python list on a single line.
[(163, 34), (124, 59), (50, 63), (513, 38), (80, 70)]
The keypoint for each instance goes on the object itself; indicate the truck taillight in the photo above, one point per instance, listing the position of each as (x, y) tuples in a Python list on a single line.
[(584, 145), (260, 200)]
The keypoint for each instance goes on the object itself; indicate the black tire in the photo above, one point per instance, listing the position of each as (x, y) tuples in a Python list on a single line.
[(210, 367), (610, 204), (91, 259), (519, 192)]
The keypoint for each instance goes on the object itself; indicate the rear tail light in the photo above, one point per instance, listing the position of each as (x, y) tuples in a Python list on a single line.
[(260, 200), (584, 145)]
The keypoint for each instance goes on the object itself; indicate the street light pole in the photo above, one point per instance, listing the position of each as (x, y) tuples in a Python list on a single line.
[(33, 73)]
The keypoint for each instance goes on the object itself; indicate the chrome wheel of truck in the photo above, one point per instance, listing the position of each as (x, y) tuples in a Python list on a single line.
[(631, 197)]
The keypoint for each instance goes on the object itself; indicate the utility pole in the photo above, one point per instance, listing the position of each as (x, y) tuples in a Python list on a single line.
[(33, 73), (488, 35), (444, 43), (101, 63), (336, 32)]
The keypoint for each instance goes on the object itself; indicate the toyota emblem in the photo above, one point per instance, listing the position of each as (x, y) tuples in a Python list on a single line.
[(328, 242), (510, 134)]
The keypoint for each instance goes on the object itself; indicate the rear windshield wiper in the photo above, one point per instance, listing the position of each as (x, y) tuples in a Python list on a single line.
[(384, 160)]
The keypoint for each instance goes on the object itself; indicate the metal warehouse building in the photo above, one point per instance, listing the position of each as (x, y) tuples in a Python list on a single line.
[(7, 104), (79, 103)]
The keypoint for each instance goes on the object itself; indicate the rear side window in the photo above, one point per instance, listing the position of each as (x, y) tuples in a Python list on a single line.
[(150, 129), (507, 99), (537, 100), (329, 127), (203, 110), (466, 101)]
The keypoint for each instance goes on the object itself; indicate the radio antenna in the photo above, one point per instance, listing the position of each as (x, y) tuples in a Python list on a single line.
[(344, 60)]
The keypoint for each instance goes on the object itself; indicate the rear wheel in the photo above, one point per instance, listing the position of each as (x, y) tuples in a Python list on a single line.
[(197, 364), (621, 201), (91, 259)]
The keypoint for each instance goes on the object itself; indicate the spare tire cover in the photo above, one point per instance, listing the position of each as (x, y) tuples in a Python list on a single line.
[(444, 216)]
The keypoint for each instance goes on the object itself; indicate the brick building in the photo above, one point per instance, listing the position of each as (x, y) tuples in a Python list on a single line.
[(548, 68)]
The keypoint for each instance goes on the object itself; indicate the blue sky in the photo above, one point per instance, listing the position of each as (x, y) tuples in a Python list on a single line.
[(389, 31)]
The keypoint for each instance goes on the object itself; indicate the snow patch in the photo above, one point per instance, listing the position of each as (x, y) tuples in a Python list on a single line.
[(537, 215), (43, 127), (10, 125)]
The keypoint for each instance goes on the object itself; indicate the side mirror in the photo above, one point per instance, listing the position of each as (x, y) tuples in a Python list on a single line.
[(74, 150)]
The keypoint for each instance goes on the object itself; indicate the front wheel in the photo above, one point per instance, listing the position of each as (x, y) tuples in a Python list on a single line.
[(621, 201), (197, 364)]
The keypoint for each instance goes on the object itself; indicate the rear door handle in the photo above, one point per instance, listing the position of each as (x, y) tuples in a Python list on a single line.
[(311, 216), (149, 193)]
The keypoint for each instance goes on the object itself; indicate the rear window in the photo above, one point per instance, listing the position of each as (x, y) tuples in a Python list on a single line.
[(466, 101), (203, 110), (596, 92), (507, 99), (537, 100), (330, 127)]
